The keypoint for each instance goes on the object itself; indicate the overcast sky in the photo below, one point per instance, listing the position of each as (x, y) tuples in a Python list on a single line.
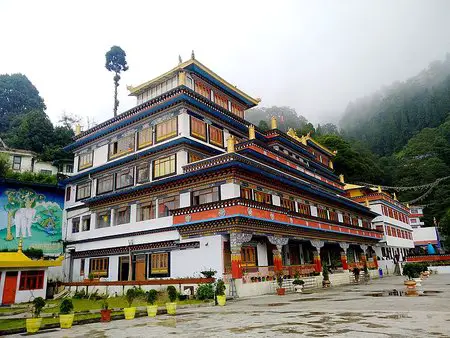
[(314, 56)]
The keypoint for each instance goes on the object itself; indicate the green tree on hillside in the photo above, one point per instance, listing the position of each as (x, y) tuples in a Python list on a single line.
[(116, 62)]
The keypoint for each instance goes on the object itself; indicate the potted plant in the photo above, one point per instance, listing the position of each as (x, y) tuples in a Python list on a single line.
[(172, 305), (326, 276), (220, 292), (130, 296), (65, 315), (91, 277), (411, 270), (356, 272), (298, 285), (152, 308), (281, 291), (208, 273), (105, 312), (33, 324)]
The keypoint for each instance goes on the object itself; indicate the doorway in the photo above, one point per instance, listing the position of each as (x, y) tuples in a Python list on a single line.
[(10, 288)]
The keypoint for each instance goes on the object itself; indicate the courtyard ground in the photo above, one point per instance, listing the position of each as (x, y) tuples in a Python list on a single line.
[(346, 311)]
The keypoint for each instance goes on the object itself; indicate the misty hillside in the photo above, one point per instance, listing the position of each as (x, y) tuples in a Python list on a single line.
[(386, 120)]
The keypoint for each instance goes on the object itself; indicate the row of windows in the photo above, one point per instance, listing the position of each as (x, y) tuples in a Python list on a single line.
[(157, 90), (387, 211), (202, 131), (31, 280), (396, 232)]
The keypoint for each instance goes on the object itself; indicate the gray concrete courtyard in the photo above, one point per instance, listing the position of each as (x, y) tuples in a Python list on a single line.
[(346, 311)]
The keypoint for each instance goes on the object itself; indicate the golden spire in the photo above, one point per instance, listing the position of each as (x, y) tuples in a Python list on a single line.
[(407, 205), (330, 164), (230, 143), (379, 188), (77, 129), (395, 197), (273, 123), (19, 248), (251, 132), (366, 203), (341, 178)]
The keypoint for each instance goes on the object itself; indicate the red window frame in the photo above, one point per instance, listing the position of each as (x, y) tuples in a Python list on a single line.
[(31, 280)]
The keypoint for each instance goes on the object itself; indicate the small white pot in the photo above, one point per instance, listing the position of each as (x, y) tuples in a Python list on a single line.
[(298, 288)]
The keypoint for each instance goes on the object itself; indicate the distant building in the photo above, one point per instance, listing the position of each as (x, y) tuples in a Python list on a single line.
[(424, 236), (415, 216)]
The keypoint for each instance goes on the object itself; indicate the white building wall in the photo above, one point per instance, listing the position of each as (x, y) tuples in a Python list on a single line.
[(425, 234), (185, 199), (38, 166), (230, 190), (23, 296)]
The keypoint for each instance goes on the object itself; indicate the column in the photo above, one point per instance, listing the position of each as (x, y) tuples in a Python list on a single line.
[(344, 247), (318, 244), (363, 255), (277, 259), (236, 241)]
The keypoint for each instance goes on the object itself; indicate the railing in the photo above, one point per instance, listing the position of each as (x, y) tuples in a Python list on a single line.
[(161, 281), (428, 258)]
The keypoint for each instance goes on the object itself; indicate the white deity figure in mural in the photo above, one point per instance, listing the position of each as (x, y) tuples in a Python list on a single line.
[(23, 219)]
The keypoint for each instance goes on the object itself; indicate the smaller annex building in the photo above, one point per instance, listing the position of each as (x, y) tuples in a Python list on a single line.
[(21, 278)]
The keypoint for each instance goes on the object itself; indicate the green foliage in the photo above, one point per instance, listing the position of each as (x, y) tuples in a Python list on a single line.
[(412, 270), (66, 306), (205, 291), (91, 276), (79, 294), (298, 282), (130, 296), (220, 287), (38, 305), (263, 125), (4, 165), (105, 305), (152, 296), (33, 253), (279, 277), (116, 62), (444, 226), (31, 177), (325, 272), (172, 293), (208, 273)]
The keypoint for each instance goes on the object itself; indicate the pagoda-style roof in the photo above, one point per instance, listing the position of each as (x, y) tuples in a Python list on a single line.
[(200, 69), (20, 260)]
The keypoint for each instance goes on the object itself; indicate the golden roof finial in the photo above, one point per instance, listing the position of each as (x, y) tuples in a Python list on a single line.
[(273, 123), (379, 188), (251, 132), (366, 203), (230, 144), (19, 247), (407, 205), (341, 178), (395, 197), (77, 129), (330, 164)]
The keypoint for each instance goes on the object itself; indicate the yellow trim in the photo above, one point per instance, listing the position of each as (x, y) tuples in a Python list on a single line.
[(134, 91), (165, 137), (143, 145), (309, 138), (20, 260)]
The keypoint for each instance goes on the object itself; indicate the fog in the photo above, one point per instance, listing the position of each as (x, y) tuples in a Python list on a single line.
[(314, 56)]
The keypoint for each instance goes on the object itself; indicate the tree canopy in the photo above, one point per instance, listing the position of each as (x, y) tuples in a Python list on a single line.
[(116, 62)]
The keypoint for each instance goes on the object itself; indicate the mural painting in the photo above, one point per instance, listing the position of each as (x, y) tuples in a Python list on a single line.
[(32, 213)]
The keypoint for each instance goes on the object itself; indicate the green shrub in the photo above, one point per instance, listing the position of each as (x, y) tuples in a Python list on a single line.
[(205, 291), (66, 306), (152, 295), (412, 270), (131, 296), (38, 305), (105, 305), (220, 287), (79, 294), (208, 273), (172, 293), (325, 273), (298, 281)]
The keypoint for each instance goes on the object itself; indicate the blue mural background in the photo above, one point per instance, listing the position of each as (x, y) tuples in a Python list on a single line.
[(33, 213)]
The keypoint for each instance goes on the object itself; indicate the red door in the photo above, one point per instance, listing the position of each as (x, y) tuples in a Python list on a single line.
[(9, 290)]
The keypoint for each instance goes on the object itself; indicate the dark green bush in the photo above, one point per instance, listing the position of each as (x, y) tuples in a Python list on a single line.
[(66, 306), (220, 287), (205, 291), (172, 293), (152, 295), (38, 305)]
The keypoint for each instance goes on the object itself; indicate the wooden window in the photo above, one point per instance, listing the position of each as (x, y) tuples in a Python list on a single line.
[(145, 211), (83, 190), (391, 214), (122, 216), (207, 195), (288, 204), (164, 167), (198, 128), (202, 89), (121, 147), (246, 193), (159, 263), (75, 225), (346, 219), (216, 136), (248, 256), (105, 184), (304, 209), (166, 130), (389, 231), (193, 157), (145, 137), (103, 219), (86, 223), (99, 266), (354, 221), (17, 162), (263, 197), (333, 215), (236, 110), (322, 213), (167, 204), (221, 101), (125, 178), (143, 173), (85, 160), (82, 262), (31, 280), (68, 192)]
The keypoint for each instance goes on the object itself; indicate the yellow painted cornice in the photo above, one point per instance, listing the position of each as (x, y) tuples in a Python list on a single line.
[(309, 138), (20, 260)]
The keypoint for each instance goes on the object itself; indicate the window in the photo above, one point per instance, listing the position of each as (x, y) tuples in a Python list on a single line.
[(159, 263), (105, 184), (31, 280), (68, 193), (164, 166), (354, 221), (122, 146), (82, 262), (75, 225), (389, 231), (246, 193), (221, 101), (205, 196), (167, 204), (143, 173), (288, 204), (202, 89), (166, 129), (85, 161), (216, 136), (248, 256), (263, 197), (413, 220), (145, 138), (99, 267), (103, 219), (198, 128), (83, 190), (333, 216), (125, 178), (304, 209), (17, 162), (236, 110), (189, 82), (122, 216), (86, 223), (346, 219), (46, 172), (145, 211), (193, 157), (322, 213), (69, 168)]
